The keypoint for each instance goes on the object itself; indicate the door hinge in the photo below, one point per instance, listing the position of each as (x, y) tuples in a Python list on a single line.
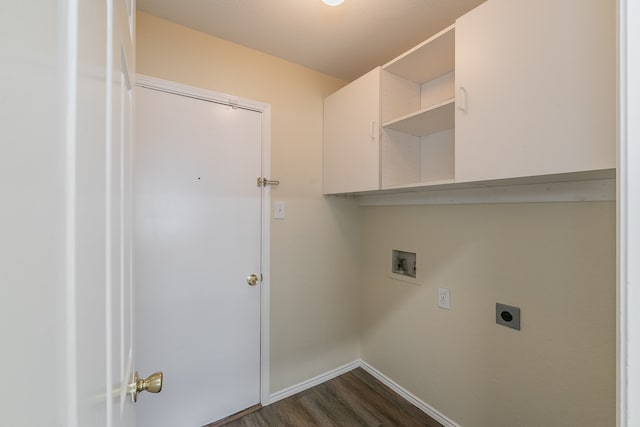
[(264, 182)]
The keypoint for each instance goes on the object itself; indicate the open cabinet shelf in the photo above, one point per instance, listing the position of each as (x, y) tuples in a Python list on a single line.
[(417, 114), (429, 120), (430, 59)]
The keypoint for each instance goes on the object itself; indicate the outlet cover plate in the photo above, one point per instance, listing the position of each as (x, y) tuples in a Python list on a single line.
[(444, 298), (508, 315)]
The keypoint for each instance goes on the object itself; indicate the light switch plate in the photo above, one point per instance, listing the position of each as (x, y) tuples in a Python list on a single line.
[(444, 298), (279, 210)]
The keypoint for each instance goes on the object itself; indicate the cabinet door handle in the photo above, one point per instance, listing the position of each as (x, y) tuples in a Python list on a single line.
[(372, 130), (462, 99)]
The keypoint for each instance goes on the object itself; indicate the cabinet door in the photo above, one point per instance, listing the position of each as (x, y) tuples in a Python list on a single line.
[(351, 136), (536, 80)]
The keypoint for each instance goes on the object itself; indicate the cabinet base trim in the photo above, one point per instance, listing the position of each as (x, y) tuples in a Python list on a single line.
[(572, 191)]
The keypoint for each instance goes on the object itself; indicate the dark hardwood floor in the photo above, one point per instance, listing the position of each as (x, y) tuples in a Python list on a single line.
[(353, 399)]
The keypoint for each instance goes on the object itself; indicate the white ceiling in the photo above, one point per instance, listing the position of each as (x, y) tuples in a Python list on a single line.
[(344, 41)]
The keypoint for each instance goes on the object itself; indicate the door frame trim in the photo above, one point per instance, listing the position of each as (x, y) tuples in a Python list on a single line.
[(265, 261), (628, 205)]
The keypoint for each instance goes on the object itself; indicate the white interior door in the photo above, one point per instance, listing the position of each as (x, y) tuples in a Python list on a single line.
[(100, 237), (197, 234), (120, 352), (103, 216)]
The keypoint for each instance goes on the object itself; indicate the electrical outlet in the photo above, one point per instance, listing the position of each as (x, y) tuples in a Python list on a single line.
[(444, 298)]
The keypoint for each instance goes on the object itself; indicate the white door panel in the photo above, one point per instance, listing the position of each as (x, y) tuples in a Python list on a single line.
[(197, 238), (102, 216), (89, 188), (100, 233), (122, 351)]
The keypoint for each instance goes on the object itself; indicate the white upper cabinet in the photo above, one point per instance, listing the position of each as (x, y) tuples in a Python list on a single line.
[(519, 90), (352, 136), (535, 85)]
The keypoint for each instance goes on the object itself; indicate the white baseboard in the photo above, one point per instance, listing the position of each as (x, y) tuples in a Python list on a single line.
[(290, 391), (424, 407)]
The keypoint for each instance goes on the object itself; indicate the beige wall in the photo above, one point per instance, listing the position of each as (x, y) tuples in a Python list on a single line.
[(555, 261), (315, 251)]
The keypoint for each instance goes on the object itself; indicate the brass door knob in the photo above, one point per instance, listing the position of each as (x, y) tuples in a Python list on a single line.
[(153, 384), (252, 280)]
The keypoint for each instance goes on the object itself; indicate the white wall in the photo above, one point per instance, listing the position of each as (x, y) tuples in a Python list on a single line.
[(32, 217)]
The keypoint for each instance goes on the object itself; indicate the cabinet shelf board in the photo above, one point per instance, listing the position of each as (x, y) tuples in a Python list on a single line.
[(602, 176), (430, 59), (565, 191), (429, 120)]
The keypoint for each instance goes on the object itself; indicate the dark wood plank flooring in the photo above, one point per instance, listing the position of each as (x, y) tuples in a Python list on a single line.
[(353, 399)]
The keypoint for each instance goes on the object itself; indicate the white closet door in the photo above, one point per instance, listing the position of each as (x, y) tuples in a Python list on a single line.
[(197, 239)]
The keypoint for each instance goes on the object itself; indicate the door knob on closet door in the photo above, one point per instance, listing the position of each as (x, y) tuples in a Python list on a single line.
[(252, 280), (153, 384)]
